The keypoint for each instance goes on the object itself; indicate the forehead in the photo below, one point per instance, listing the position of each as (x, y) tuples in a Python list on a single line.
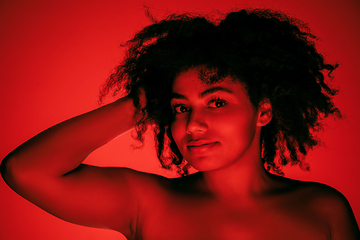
[(197, 80)]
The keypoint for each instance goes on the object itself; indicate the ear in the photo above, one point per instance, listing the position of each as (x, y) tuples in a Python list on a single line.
[(264, 113)]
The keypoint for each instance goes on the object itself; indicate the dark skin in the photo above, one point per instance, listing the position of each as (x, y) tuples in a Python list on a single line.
[(291, 210), (232, 197)]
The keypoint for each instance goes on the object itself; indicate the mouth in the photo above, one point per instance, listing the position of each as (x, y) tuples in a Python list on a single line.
[(200, 146)]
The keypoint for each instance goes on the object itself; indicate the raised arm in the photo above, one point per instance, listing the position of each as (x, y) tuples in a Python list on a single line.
[(47, 170)]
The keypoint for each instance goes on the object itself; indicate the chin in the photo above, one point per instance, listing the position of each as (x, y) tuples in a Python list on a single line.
[(205, 164)]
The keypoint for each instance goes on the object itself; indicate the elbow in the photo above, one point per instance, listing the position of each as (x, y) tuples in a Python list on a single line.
[(5, 168), (10, 170)]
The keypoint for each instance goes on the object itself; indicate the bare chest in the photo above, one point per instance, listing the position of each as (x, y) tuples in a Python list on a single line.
[(197, 219)]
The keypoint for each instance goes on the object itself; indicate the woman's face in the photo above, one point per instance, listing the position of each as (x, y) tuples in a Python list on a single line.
[(213, 124)]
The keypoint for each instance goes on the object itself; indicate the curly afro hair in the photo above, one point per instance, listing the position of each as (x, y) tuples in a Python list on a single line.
[(272, 55)]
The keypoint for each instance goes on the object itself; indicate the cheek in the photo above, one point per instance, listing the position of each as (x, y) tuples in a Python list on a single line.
[(236, 128)]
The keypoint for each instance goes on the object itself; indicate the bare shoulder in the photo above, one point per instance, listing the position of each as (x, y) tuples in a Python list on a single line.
[(145, 186), (146, 181), (155, 188), (337, 209), (331, 205)]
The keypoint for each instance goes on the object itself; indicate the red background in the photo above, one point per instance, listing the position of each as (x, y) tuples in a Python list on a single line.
[(54, 55)]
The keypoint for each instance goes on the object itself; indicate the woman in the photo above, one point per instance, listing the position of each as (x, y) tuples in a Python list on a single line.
[(236, 98)]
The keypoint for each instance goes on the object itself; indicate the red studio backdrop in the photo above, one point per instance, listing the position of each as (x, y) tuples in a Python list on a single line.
[(54, 55)]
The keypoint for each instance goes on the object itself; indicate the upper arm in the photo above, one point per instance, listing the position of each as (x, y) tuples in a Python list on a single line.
[(89, 196)]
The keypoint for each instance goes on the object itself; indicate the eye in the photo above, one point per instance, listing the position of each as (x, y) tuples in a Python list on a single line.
[(216, 103), (179, 109)]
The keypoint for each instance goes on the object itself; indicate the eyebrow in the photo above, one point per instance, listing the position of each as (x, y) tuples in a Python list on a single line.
[(204, 93)]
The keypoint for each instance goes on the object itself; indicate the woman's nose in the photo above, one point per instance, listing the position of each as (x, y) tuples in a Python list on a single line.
[(196, 122)]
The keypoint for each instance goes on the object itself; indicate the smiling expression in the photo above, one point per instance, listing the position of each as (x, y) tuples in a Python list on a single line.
[(214, 124)]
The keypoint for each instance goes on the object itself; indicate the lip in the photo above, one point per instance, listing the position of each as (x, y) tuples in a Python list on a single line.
[(200, 146)]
